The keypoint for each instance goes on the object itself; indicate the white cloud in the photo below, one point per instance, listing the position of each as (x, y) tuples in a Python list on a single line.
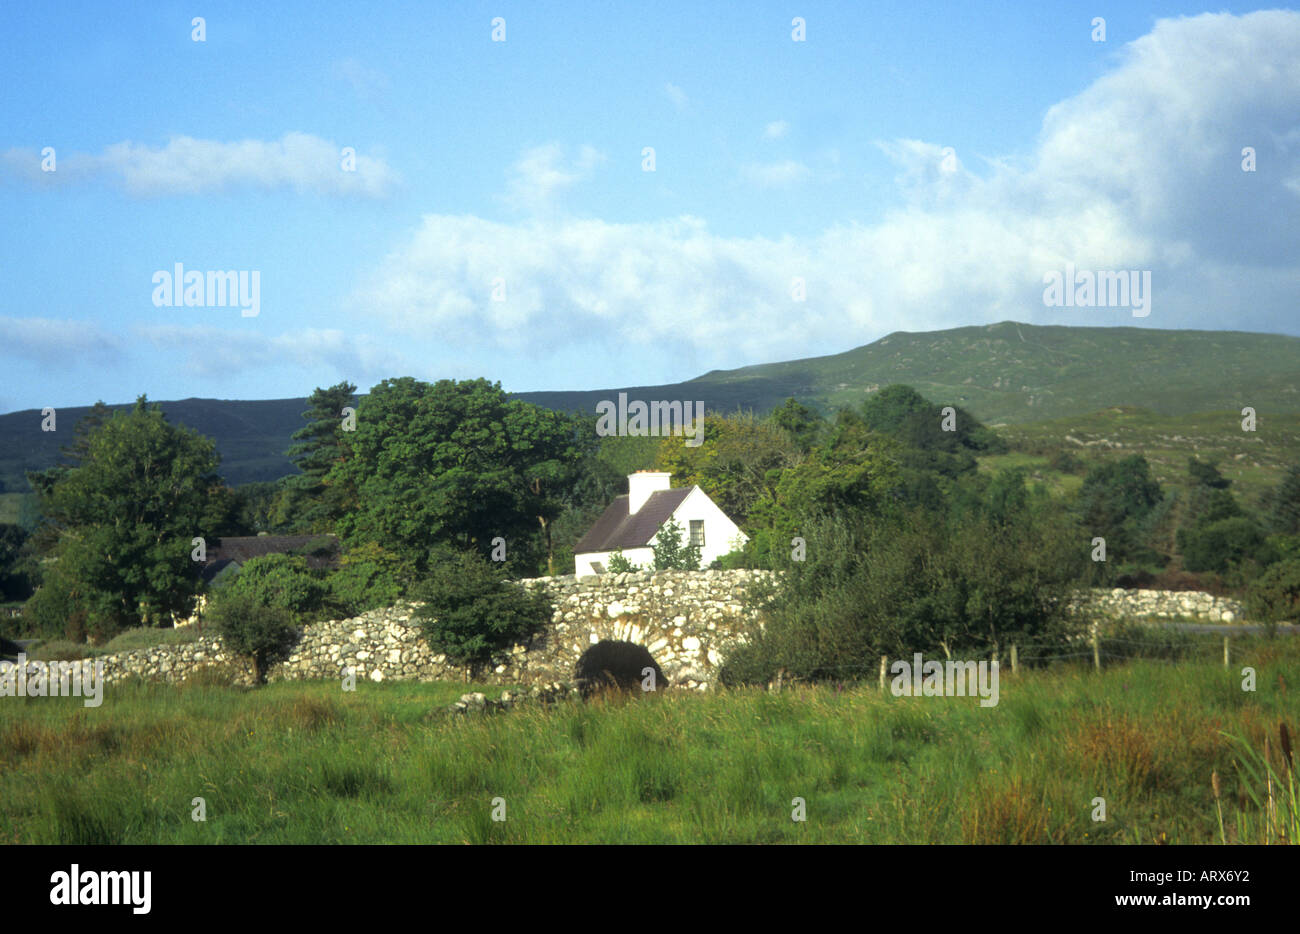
[(188, 166), (774, 174), (220, 352), (677, 96), (57, 342), (777, 129), (1141, 170), (542, 173)]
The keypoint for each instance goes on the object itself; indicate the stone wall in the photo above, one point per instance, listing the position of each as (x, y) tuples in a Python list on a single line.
[(1162, 604), (687, 621)]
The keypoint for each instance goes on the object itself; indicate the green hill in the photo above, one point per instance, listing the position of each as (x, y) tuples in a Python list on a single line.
[(1005, 373)]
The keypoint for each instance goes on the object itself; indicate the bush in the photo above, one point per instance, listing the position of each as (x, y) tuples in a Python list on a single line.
[(60, 650), (1219, 546), (670, 552), (148, 636), (253, 629), (619, 564), (893, 587), (369, 577), (471, 615), (1275, 595), (283, 581)]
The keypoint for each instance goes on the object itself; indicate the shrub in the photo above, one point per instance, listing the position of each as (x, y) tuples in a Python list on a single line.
[(369, 577), (60, 650), (619, 564), (1220, 545), (147, 636), (670, 552), (471, 615), (253, 629), (892, 587), (48, 611), (1275, 595), (283, 581)]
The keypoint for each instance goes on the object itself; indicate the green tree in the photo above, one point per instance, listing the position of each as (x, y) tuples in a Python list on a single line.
[(123, 518), (619, 564), (451, 466), (253, 629), (1114, 499), (1284, 504), (321, 444), (801, 424), (473, 616), (671, 550), (279, 580)]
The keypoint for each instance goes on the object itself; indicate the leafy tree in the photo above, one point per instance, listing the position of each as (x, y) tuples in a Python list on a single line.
[(1219, 546), (451, 466), (1115, 497), (15, 577), (471, 615), (737, 463), (908, 582), (122, 520), (671, 550), (279, 580), (1284, 504), (903, 413), (1274, 596), (320, 446), (369, 577), (801, 424), (254, 629), (1207, 475)]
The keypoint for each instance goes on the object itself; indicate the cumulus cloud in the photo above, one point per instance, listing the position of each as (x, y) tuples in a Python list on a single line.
[(57, 343), (187, 166), (1140, 170), (777, 129), (677, 96), (541, 174)]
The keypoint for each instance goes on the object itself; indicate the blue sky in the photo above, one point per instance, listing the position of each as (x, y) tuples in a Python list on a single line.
[(917, 165)]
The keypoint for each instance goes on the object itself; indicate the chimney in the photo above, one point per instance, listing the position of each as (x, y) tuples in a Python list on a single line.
[(641, 484)]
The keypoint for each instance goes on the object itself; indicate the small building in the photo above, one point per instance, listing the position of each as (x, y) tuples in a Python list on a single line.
[(231, 552), (632, 522)]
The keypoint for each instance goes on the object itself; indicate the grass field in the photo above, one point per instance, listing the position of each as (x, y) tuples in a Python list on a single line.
[(306, 763), (1254, 461)]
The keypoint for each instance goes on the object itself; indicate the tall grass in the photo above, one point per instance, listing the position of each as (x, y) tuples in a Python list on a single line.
[(296, 762)]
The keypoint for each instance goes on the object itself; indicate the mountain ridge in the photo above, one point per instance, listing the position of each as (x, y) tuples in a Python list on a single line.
[(1006, 373)]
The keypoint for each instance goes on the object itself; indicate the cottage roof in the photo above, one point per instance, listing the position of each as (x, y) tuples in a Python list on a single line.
[(615, 529)]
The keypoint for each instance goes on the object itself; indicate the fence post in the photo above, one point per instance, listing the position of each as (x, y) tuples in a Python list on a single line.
[(1096, 647), (884, 664), (1225, 652), (1015, 659)]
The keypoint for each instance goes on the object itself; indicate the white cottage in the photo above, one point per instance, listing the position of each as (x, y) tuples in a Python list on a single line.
[(631, 523)]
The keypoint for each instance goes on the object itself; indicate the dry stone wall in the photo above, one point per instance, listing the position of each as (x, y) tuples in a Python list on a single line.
[(687, 620), (1162, 604)]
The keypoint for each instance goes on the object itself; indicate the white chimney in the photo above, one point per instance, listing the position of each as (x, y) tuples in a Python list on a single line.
[(641, 484)]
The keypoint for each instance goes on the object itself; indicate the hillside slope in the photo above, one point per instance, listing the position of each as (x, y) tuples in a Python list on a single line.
[(1005, 373)]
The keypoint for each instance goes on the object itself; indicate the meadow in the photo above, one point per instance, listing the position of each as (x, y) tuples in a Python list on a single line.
[(304, 762)]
